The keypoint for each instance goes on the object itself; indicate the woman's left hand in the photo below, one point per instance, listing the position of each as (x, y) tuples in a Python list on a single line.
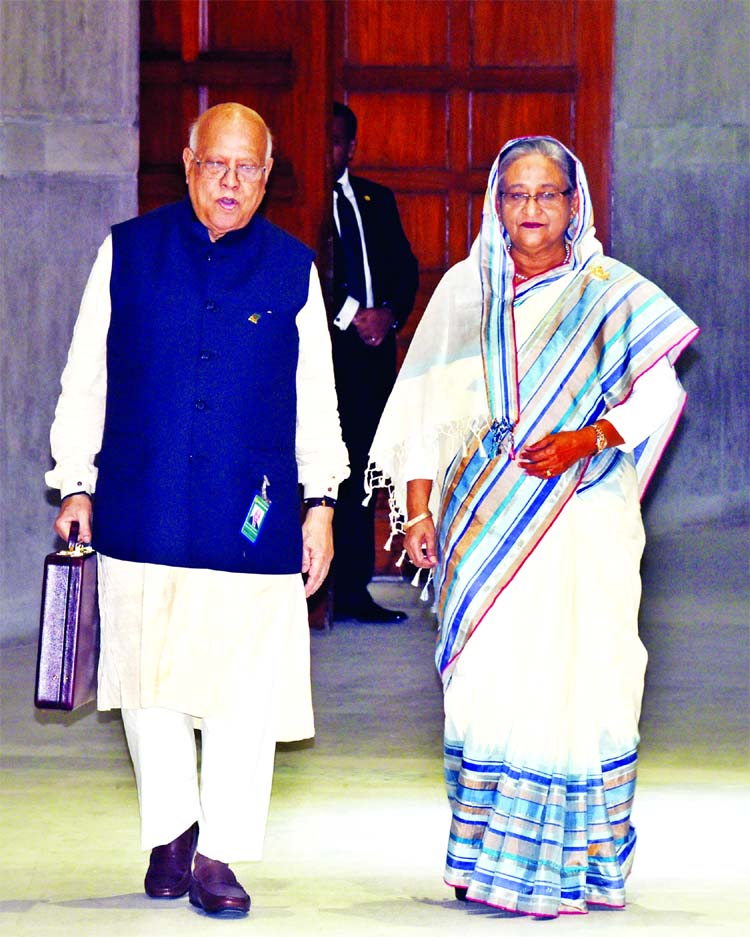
[(554, 454)]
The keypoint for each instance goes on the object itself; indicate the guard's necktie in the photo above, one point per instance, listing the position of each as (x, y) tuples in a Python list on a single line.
[(352, 247)]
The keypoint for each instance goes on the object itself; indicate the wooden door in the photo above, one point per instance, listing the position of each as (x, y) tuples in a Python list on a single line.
[(439, 86), (272, 56)]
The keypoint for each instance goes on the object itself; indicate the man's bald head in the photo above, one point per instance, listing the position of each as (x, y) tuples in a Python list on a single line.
[(229, 111)]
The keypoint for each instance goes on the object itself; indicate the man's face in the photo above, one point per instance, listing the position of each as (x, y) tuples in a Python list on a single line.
[(342, 148), (226, 202)]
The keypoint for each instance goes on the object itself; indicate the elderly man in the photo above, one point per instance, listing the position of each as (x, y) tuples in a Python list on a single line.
[(200, 373)]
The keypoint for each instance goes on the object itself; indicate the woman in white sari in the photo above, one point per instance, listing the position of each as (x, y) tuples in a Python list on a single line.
[(532, 407)]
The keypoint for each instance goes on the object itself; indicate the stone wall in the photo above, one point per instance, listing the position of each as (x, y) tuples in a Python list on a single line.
[(68, 165), (681, 207)]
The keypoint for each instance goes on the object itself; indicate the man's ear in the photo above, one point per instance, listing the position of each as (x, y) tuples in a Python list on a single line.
[(187, 159)]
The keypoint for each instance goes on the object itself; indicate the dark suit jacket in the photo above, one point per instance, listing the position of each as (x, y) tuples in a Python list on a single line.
[(393, 266), (365, 375)]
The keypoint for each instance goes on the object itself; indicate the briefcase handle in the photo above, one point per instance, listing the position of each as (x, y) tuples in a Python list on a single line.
[(73, 535)]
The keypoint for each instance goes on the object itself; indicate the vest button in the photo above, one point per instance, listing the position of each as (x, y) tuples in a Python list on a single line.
[(210, 306), (200, 404), (205, 355)]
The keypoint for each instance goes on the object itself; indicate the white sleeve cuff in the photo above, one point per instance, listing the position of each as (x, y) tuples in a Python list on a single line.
[(321, 490), (347, 312)]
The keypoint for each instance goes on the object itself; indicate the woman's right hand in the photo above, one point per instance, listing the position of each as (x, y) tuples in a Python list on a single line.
[(420, 544)]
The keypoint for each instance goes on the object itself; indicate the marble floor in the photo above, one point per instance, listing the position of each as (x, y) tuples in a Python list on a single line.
[(358, 820)]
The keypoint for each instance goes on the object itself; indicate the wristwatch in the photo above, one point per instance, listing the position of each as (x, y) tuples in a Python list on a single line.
[(324, 502), (601, 439)]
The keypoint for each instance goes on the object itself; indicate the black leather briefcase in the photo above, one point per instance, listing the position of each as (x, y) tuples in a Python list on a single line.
[(68, 629)]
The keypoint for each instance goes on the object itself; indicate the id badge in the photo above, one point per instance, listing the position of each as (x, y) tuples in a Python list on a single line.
[(256, 516)]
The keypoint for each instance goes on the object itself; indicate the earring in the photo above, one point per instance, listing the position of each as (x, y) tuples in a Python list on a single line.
[(572, 226), (508, 243)]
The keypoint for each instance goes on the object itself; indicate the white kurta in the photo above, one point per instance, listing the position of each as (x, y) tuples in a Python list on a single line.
[(204, 642)]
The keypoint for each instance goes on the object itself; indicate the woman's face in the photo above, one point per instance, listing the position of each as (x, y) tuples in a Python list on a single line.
[(536, 225)]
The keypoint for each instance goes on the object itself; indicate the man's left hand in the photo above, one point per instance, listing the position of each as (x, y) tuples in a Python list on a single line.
[(373, 324), (317, 546)]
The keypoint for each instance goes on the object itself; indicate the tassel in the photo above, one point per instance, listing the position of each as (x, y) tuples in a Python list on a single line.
[(400, 560), (415, 580), (366, 499), (389, 541), (425, 593)]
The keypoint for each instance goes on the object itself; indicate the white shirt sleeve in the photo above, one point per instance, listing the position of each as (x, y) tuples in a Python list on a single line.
[(347, 312), (322, 459), (76, 434), (654, 398)]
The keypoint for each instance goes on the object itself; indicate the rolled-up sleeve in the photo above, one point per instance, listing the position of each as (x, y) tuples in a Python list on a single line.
[(76, 434), (322, 459)]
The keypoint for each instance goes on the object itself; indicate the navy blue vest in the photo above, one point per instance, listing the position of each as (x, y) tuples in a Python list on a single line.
[(201, 394)]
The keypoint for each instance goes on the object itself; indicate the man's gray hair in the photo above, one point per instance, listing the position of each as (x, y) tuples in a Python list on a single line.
[(545, 146), (193, 135)]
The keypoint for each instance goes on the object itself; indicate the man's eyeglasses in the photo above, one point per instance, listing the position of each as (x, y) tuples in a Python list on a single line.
[(547, 199), (217, 169)]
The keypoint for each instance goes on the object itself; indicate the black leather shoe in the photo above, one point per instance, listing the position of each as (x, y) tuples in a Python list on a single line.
[(370, 613), (168, 873), (215, 890), (461, 893)]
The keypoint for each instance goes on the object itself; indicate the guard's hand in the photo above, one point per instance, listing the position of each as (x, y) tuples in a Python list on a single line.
[(317, 546), (75, 508), (421, 545), (373, 324), (554, 454)]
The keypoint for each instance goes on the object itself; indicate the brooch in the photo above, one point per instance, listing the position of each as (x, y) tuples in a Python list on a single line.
[(256, 316), (600, 273)]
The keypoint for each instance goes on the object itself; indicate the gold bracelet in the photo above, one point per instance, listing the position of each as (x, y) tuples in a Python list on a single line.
[(415, 520), (601, 439)]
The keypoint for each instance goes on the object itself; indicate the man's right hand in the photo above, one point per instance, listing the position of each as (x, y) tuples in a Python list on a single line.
[(75, 508)]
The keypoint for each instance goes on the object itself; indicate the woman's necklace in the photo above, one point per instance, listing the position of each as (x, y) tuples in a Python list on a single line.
[(521, 278)]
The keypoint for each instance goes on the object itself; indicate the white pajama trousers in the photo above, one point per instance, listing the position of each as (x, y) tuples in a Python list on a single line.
[(230, 800)]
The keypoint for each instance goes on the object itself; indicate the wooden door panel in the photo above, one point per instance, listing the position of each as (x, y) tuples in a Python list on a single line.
[(161, 26), (391, 32), (424, 216), (399, 130), (520, 32), (497, 117), (258, 26)]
